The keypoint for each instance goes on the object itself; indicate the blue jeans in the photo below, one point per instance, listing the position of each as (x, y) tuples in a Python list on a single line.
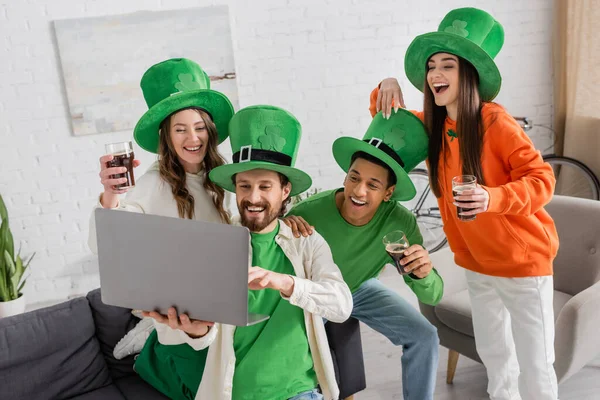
[(310, 395), (388, 313)]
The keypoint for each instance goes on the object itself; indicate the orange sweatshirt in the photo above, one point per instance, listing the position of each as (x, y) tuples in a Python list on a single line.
[(516, 237)]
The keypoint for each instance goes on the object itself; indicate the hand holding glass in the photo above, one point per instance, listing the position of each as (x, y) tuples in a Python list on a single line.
[(459, 184), (122, 157), (396, 244)]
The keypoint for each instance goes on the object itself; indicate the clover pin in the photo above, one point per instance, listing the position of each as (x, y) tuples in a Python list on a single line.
[(452, 134)]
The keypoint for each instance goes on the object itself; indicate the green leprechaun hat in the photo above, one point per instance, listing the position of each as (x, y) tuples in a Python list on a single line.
[(401, 142), (173, 85), (469, 33), (263, 137)]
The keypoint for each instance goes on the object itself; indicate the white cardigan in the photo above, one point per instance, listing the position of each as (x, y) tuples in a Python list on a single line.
[(152, 195), (319, 290)]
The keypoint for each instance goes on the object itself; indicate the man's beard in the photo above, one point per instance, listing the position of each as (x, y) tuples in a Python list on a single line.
[(257, 224)]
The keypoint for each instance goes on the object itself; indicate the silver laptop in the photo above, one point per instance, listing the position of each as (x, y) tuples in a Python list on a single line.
[(151, 263)]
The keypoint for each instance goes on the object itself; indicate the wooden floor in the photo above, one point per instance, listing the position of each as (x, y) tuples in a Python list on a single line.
[(382, 361)]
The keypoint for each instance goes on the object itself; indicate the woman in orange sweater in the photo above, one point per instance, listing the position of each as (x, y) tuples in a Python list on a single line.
[(508, 248)]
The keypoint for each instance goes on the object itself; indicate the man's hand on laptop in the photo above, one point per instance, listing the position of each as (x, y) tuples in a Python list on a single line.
[(417, 261), (298, 225), (194, 328), (259, 278)]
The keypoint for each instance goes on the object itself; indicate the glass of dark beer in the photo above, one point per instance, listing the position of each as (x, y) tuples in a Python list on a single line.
[(459, 184), (395, 244), (123, 156)]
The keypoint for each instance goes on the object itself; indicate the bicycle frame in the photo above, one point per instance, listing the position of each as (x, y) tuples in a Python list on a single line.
[(428, 212)]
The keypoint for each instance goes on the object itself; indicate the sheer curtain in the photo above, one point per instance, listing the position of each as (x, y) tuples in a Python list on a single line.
[(577, 81)]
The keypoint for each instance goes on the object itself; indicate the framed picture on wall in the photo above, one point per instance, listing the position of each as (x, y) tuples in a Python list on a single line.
[(103, 60)]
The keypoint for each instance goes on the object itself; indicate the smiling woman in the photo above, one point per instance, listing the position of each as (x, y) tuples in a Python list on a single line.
[(188, 146), (453, 83), (509, 272), (442, 78), (187, 133), (184, 124)]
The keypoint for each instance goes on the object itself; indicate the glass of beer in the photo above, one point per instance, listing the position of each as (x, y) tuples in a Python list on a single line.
[(459, 184), (395, 244), (123, 156)]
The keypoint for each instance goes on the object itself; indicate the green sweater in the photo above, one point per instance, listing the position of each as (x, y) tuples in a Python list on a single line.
[(358, 251)]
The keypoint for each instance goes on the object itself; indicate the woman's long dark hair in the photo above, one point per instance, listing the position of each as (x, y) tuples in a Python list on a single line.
[(172, 171), (468, 125)]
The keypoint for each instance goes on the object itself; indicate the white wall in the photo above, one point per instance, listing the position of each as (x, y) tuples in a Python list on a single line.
[(318, 58)]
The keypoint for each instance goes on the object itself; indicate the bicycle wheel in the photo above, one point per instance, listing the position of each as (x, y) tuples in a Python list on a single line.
[(573, 178), (425, 208)]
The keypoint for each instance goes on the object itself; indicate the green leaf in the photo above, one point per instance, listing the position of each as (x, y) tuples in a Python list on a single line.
[(3, 210), (20, 289), (28, 261), (10, 274), (8, 278), (22, 279), (11, 270), (6, 239), (10, 244), (10, 264), (3, 242), (4, 293), (19, 268), (16, 278), (3, 276)]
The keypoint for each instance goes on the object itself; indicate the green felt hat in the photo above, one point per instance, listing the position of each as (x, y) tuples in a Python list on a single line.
[(263, 137), (173, 85), (469, 33), (401, 142)]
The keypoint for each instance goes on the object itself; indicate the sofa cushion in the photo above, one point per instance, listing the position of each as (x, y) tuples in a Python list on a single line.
[(577, 263), (112, 323), (135, 388), (51, 353), (455, 310), (110, 392), (347, 355), (560, 299)]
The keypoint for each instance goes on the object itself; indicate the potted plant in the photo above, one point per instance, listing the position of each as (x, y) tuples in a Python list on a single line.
[(12, 270)]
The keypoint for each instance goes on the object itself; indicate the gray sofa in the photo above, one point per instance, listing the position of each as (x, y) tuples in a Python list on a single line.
[(65, 352), (576, 292)]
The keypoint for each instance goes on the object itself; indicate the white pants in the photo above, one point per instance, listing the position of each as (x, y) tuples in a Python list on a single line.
[(515, 314)]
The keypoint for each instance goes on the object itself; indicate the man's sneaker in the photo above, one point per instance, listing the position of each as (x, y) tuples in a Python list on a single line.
[(133, 342)]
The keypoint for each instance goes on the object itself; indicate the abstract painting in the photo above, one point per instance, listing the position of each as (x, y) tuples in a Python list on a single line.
[(104, 58)]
